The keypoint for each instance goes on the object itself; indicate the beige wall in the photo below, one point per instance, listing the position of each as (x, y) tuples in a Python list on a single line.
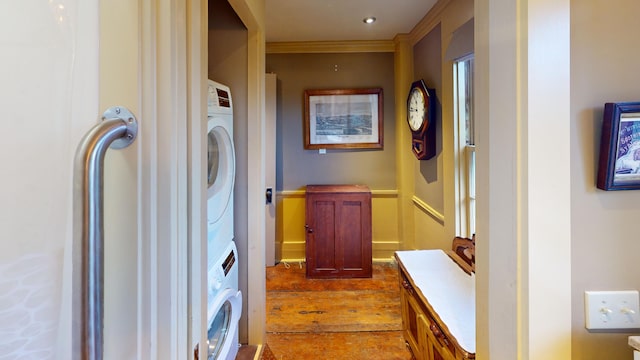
[(427, 65), (604, 62), (297, 167)]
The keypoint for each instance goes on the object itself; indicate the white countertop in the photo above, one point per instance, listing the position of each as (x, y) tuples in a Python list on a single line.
[(450, 291)]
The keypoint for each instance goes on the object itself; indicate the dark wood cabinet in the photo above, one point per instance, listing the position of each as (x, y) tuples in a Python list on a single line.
[(338, 231), (440, 327)]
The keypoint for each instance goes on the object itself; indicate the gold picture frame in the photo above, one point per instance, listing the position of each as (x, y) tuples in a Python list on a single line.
[(343, 119)]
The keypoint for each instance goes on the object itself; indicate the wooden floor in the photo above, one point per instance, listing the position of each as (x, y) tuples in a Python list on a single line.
[(355, 319)]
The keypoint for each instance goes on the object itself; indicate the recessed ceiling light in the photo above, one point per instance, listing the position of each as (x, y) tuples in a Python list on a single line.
[(369, 20)]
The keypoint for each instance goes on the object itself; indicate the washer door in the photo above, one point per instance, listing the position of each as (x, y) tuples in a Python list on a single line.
[(221, 170), (223, 324)]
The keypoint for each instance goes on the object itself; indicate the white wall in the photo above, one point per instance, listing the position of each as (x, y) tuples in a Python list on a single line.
[(605, 247), (48, 69)]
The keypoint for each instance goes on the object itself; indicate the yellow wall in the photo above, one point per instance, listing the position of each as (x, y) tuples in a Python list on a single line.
[(290, 235)]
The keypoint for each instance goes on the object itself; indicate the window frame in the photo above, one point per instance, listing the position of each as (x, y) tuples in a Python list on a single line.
[(464, 146)]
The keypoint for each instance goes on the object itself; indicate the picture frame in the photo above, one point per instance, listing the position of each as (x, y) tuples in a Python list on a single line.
[(343, 119), (619, 162)]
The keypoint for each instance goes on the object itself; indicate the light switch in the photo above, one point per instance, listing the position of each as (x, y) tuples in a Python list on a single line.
[(611, 309)]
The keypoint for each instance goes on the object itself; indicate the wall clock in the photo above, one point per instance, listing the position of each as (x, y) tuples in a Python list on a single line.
[(420, 118)]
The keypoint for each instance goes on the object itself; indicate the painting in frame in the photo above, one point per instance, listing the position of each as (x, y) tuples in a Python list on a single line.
[(619, 163), (343, 119)]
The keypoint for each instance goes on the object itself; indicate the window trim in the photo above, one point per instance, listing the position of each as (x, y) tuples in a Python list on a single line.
[(464, 154)]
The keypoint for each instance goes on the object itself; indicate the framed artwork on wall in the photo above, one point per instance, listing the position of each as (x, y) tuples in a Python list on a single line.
[(619, 163), (343, 119)]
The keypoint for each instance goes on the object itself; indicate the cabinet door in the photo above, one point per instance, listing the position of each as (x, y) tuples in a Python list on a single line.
[(437, 342), (435, 352), (354, 234), (321, 235)]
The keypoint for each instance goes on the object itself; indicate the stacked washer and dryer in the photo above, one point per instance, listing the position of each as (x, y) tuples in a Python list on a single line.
[(224, 300)]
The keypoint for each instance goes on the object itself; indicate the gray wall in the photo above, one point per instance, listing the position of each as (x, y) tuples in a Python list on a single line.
[(605, 246), (297, 167), (228, 65), (427, 65)]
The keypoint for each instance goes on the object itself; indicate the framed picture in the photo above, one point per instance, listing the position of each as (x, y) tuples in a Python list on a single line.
[(619, 164), (343, 119)]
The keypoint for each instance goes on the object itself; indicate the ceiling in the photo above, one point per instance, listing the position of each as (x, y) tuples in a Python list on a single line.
[(341, 20)]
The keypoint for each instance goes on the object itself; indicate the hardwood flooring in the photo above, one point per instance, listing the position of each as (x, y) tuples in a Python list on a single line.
[(333, 319)]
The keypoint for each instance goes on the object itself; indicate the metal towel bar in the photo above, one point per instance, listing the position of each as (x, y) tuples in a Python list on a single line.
[(117, 129)]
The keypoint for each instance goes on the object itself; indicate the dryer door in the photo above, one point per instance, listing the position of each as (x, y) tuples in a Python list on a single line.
[(220, 170), (223, 325)]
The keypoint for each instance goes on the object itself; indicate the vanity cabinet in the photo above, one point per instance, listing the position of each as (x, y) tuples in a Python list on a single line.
[(438, 305), (338, 231)]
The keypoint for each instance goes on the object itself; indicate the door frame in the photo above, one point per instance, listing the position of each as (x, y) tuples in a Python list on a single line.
[(172, 271), (171, 253)]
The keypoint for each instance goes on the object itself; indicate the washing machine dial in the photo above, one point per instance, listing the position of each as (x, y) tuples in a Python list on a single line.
[(215, 282)]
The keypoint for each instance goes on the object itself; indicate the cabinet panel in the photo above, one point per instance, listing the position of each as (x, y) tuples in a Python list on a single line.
[(352, 233), (410, 313), (323, 242), (435, 353)]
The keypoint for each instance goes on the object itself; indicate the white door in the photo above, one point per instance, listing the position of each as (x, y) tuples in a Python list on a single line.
[(64, 62), (270, 85)]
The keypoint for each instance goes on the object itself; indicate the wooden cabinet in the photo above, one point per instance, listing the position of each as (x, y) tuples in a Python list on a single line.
[(338, 231), (438, 306)]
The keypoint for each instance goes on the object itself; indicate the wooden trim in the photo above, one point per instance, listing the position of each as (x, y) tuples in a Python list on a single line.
[(391, 193), (291, 193), (428, 209), (251, 13), (256, 294), (469, 269), (293, 252), (383, 193), (197, 11), (317, 47)]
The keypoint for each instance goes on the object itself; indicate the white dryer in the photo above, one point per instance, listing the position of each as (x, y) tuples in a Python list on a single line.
[(224, 306), (221, 169)]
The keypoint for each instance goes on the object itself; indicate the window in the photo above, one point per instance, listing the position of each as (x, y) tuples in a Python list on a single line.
[(465, 156)]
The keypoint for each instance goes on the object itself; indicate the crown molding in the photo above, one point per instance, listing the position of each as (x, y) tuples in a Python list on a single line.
[(429, 21), (310, 47)]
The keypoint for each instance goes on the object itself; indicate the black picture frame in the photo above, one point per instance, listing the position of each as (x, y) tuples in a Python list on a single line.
[(619, 162)]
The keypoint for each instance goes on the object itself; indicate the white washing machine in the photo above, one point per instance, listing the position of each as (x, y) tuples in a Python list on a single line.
[(224, 306), (221, 169)]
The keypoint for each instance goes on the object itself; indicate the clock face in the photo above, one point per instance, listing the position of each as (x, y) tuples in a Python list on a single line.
[(417, 109)]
